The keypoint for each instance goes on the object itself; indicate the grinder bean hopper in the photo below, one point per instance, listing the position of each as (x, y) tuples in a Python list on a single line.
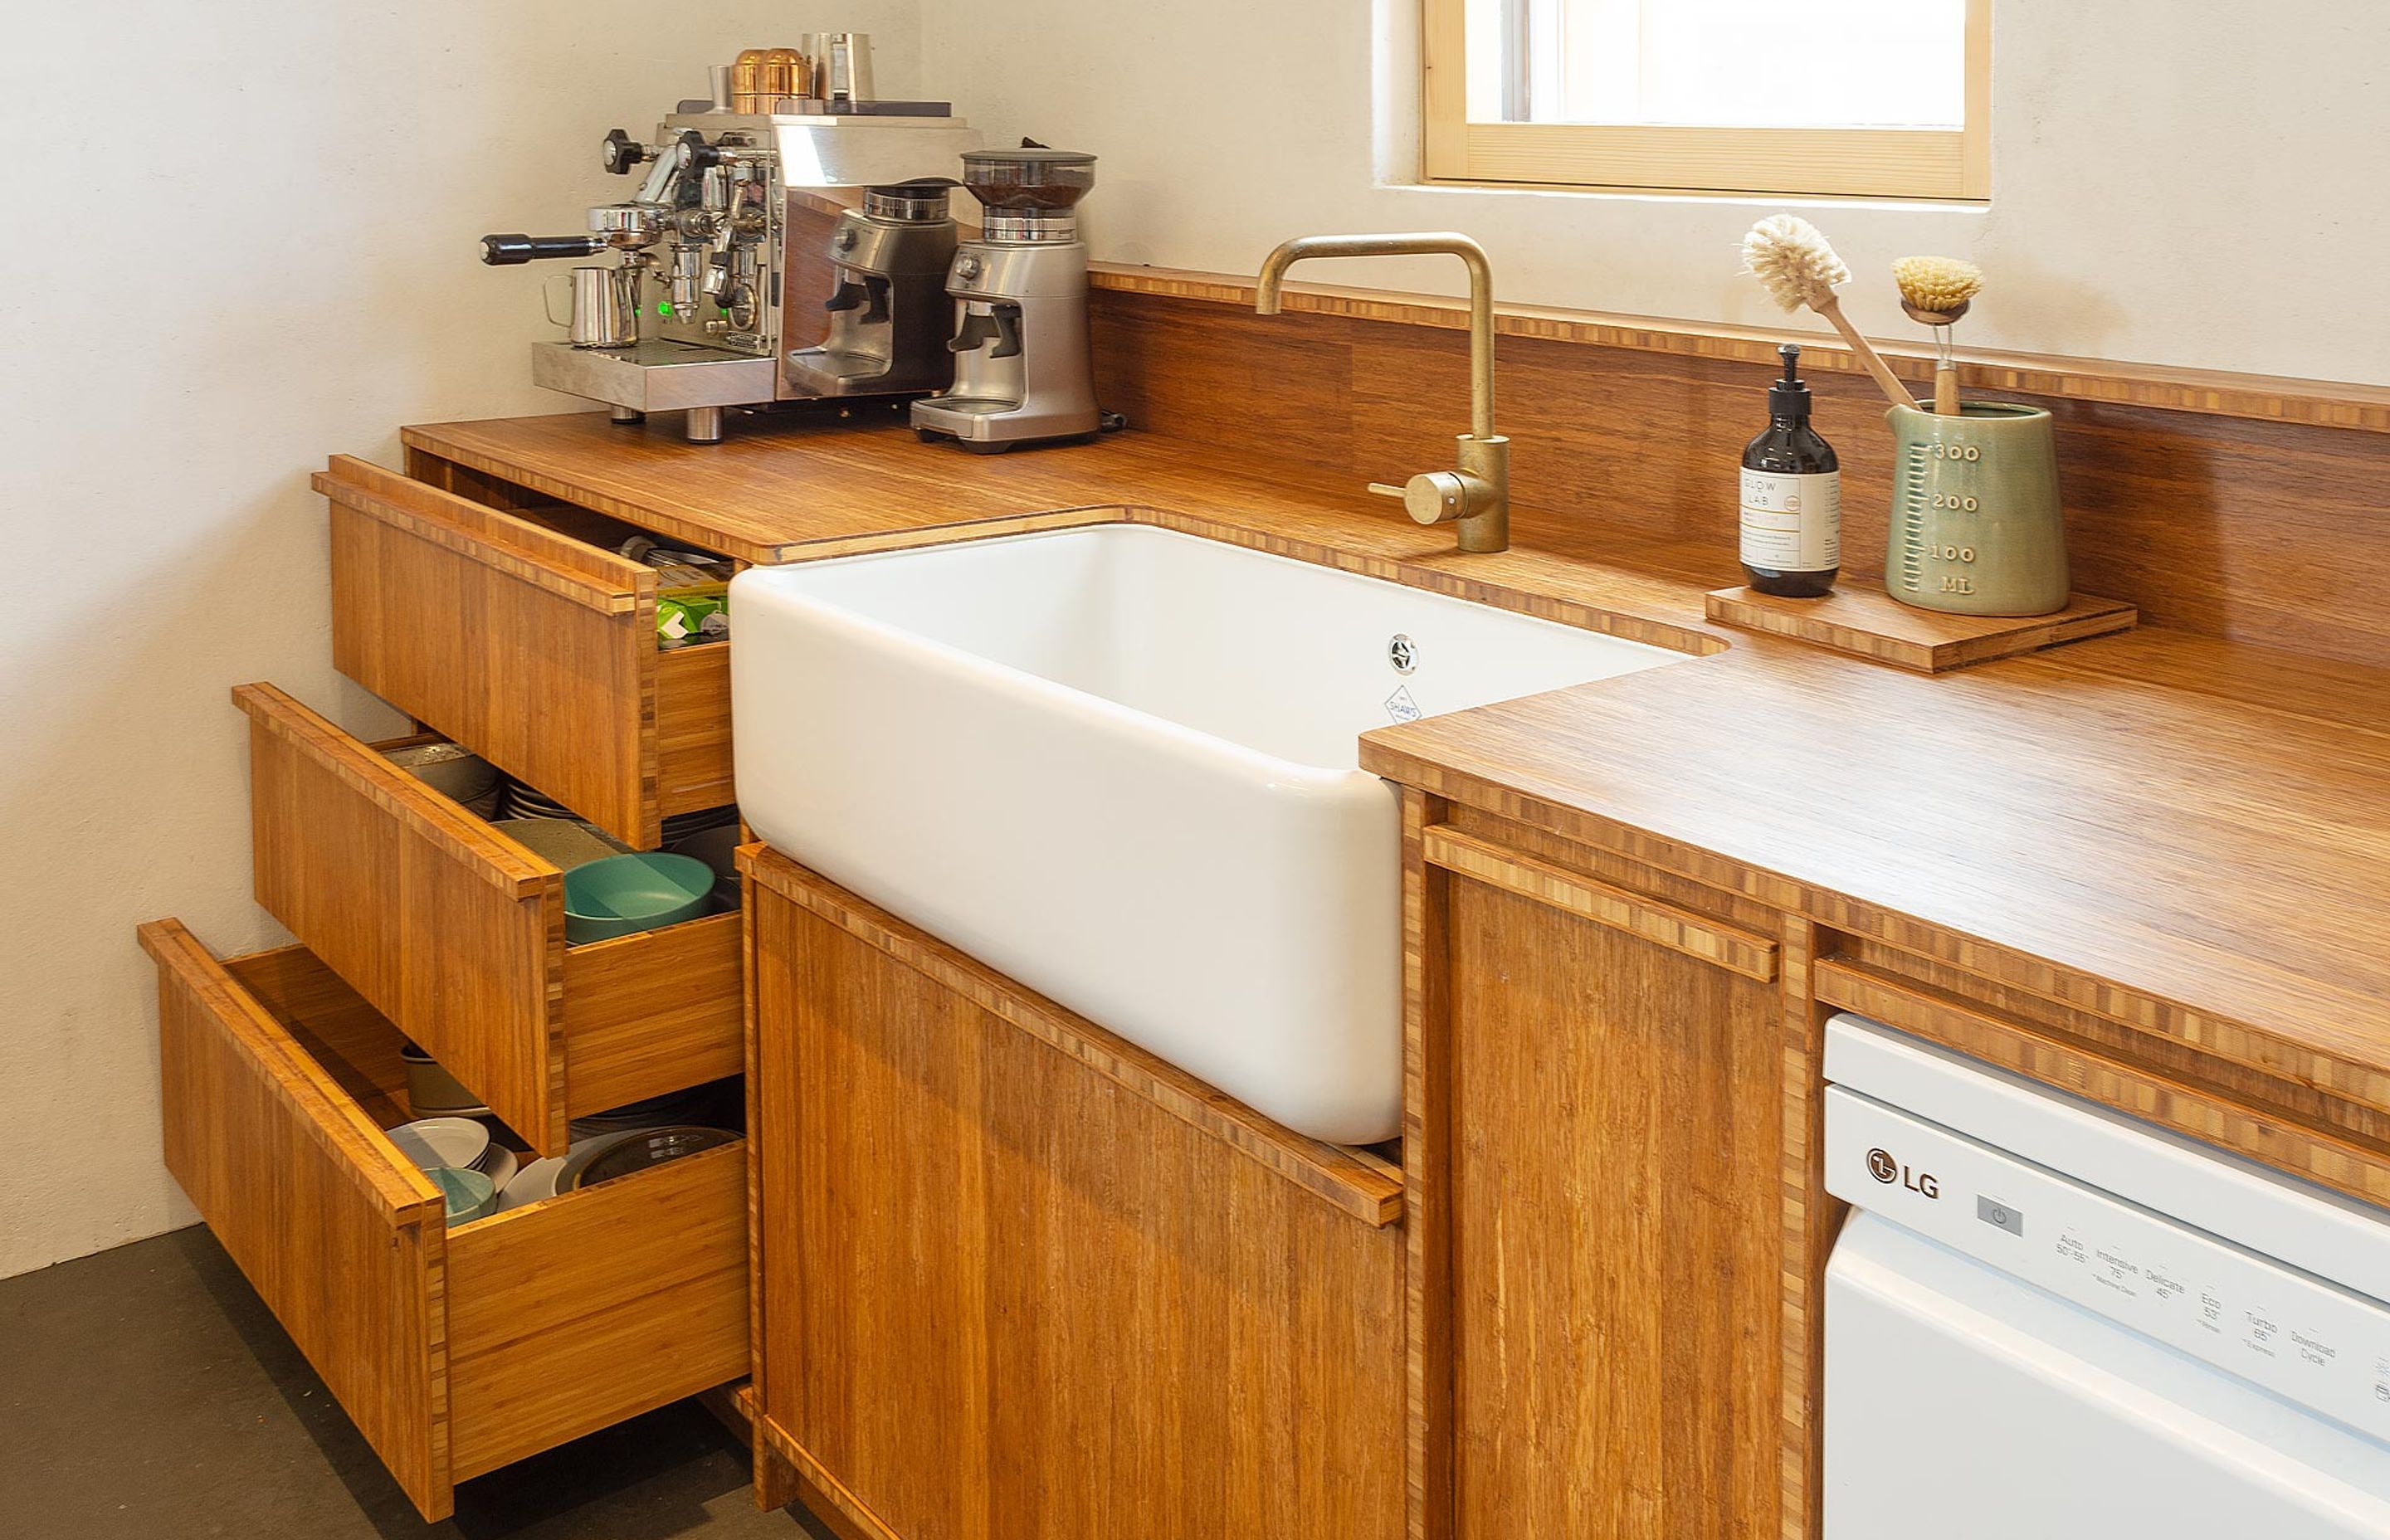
[(1022, 369)]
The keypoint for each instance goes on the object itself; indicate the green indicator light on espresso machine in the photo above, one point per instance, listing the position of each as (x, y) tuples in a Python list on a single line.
[(663, 307)]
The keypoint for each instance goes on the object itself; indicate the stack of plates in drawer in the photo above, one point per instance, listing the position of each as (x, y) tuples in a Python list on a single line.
[(597, 1160), (518, 801), (715, 1103), (458, 1144)]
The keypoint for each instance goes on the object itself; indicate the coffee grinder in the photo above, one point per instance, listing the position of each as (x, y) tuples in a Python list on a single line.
[(1022, 369), (889, 316)]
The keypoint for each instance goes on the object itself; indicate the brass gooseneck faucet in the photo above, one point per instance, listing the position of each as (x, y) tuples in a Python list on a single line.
[(1475, 499)]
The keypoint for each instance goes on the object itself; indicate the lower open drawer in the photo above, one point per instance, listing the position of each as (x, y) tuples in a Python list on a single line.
[(456, 1350)]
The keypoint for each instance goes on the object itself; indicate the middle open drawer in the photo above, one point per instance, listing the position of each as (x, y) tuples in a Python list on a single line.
[(456, 933)]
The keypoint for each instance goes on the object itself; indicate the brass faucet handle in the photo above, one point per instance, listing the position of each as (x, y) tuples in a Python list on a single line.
[(1440, 496)]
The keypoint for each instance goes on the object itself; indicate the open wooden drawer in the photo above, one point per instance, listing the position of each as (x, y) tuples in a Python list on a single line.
[(456, 1351), (534, 650), (457, 933)]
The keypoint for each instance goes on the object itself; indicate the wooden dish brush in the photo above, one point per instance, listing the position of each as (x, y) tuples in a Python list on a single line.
[(1936, 291), (1792, 262)]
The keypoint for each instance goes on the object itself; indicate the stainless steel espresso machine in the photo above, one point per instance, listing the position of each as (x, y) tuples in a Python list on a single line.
[(1022, 368), (744, 275)]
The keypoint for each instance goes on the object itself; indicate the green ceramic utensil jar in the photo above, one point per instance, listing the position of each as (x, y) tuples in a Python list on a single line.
[(1976, 527)]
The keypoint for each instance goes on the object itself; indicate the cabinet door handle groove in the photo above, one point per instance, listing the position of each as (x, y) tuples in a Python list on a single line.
[(1727, 946)]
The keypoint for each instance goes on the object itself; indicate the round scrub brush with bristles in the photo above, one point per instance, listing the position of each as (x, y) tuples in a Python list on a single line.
[(1792, 262), (1936, 291)]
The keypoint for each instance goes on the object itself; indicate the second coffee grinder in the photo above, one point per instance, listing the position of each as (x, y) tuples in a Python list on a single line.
[(889, 318), (1022, 369)]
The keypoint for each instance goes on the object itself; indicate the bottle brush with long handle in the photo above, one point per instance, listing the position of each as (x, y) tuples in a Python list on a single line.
[(1793, 262)]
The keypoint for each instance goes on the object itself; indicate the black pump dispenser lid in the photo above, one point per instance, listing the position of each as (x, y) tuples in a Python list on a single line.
[(1788, 397)]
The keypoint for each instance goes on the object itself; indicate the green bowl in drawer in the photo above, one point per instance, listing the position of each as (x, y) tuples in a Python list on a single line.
[(623, 894)]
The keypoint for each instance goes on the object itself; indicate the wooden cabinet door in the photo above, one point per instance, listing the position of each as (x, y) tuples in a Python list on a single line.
[(1610, 1077), (1020, 1280)]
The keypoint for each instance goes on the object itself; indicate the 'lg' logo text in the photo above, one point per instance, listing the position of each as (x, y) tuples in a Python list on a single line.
[(1885, 1169)]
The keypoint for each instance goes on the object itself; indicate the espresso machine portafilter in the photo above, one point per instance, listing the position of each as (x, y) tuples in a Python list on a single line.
[(702, 235)]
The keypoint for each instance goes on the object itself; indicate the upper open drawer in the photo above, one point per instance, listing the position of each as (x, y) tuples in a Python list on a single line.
[(457, 933), (533, 648), (454, 1351)]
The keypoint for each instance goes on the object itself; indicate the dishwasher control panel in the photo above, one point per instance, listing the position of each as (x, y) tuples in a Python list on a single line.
[(2289, 1331)]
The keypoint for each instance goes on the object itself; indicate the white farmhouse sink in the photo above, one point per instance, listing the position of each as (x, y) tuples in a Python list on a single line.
[(1118, 764)]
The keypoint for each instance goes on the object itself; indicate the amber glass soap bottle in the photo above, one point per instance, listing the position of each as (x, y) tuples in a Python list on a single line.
[(1791, 496)]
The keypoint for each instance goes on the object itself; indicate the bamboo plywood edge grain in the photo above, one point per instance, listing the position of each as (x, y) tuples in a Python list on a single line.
[(2319, 403), (1679, 929), (1862, 620), (491, 855), (567, 568), (341, 1237), (357, 1145), (1427, 1174), (1812, 1219)]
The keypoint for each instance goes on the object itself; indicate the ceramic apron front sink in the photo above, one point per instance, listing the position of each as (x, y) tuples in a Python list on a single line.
[(1119, 763)]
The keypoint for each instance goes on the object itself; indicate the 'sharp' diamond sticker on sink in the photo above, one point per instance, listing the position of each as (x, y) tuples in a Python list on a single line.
[(1400, 706)]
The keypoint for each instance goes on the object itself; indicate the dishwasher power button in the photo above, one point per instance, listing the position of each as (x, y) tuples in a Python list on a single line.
[(1999, 1216)]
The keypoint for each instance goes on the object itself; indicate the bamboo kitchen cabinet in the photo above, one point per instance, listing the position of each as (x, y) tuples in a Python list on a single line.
[(1010, 1275), (1595, 1090), (1018, 1277)]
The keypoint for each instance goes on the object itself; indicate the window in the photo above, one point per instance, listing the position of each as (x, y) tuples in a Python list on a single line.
[(1863, 98)]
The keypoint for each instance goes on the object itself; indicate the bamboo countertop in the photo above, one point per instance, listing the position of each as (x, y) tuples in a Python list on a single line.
[(2201, 823)]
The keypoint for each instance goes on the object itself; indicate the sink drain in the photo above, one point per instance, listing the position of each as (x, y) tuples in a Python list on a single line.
[(1403, 653)]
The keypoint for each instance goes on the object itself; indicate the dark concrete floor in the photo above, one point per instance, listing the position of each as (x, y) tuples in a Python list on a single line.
[(146, 1393)]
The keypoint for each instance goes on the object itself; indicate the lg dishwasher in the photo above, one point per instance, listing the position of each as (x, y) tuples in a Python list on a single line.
[(2046, 1321)]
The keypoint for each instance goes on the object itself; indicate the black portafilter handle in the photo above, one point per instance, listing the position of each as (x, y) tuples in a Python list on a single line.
[(514, 250)]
